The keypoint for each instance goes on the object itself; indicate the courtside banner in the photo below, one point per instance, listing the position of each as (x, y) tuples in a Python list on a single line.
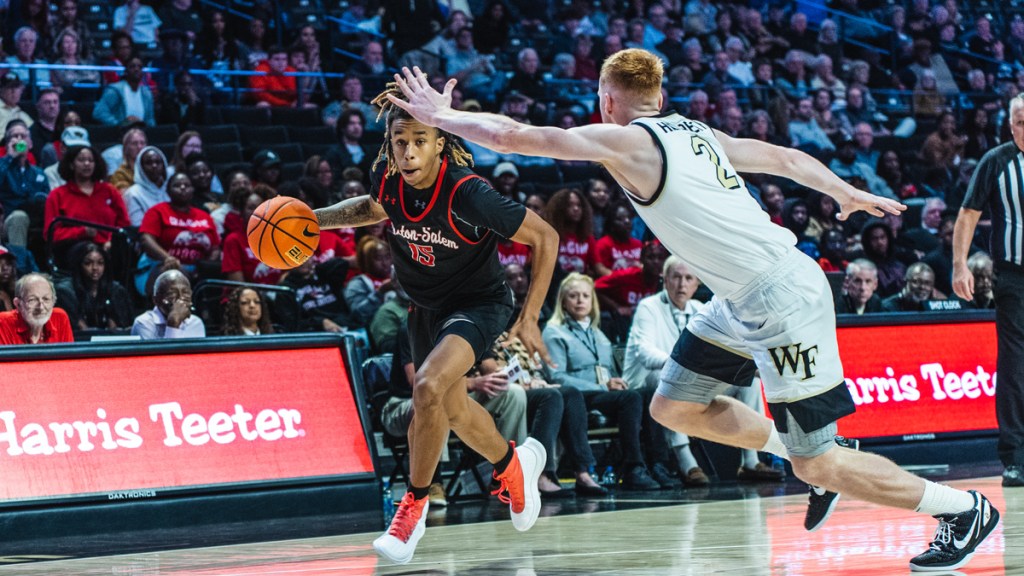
[(915, 381), (127, 427)]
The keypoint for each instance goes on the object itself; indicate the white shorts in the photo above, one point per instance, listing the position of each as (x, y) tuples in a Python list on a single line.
[(786, 322), (783, 324)]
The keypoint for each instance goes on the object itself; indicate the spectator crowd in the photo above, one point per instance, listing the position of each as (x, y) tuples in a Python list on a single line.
[(139, 138)]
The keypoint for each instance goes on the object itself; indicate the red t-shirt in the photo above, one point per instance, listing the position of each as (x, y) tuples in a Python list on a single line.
[(14, 330), (333, 245), (274, 89), (104, 206), (828, 266), (625, 287), (238, 257), (189, 237), (232, 223), (575, 255), (618, 256), (513, 253)]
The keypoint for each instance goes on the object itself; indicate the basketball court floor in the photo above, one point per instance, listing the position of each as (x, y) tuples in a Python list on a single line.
[(744, 530)]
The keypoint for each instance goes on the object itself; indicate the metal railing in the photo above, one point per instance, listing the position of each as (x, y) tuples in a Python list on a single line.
[(283, 296), (224, 81), (128, 234)]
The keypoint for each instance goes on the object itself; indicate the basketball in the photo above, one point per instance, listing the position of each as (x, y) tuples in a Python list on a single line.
[(283, 232)]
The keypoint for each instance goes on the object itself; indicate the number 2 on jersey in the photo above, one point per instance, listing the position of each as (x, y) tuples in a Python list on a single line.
[(701, 147)]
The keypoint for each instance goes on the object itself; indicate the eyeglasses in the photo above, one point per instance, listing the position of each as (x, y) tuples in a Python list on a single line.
[(34, 301)]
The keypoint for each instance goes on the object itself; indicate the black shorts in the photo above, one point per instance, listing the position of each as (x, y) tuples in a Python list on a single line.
[(479, 323)]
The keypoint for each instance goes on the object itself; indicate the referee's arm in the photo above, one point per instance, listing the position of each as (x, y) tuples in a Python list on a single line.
[(963, 235)]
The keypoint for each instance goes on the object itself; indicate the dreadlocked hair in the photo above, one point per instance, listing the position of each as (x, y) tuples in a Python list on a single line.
[(452, 146)]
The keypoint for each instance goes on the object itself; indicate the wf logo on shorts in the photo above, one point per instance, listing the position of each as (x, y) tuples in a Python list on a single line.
[(794, 358)]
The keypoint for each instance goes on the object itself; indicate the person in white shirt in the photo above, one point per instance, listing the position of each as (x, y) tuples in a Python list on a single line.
[(24, 47), (139, 20), (171, 316), (658, 323), (11, 90), (128, 101)]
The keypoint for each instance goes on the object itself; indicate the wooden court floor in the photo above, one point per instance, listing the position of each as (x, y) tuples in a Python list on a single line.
[(752, 536)]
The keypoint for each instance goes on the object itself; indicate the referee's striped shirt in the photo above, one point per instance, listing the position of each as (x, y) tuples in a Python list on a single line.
[(998, 184)]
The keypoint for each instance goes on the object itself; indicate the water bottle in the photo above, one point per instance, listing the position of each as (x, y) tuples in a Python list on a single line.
[(778, 464), (609, 479), (387, 502)]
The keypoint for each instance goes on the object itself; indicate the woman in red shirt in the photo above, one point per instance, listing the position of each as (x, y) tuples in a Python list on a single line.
[(618, 250), (571, 216), (86, 197), (176, 234)]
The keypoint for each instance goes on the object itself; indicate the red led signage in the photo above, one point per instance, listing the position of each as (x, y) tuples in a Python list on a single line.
[(127, 427), (914, 381)]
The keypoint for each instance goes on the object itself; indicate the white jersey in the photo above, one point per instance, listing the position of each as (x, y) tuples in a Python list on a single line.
[(703, 212)]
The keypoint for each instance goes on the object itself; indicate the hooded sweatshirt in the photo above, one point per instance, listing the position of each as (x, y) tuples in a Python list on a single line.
[(145, 194)]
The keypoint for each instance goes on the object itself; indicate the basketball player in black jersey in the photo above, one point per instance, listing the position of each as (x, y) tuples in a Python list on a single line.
[(445, 223)]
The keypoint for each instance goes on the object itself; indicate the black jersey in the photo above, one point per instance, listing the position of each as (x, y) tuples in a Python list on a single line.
[(998, 185), (443, 241)]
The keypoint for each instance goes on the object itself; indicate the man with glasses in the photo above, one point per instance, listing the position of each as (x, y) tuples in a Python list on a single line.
[(34, 319)]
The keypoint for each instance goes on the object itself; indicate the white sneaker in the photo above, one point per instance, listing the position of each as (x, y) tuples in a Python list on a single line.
[(519, 483), (398, 544)]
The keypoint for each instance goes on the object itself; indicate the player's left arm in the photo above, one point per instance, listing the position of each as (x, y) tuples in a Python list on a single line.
[(749, 155), (543, 240), (351, 213)]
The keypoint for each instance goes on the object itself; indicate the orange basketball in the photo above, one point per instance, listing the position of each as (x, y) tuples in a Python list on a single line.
[(283, 232)]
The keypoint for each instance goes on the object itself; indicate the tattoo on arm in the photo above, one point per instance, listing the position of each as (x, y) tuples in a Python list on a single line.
[(360, 211)]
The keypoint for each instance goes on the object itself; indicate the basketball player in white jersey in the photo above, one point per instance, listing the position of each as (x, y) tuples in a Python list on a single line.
[(772, 308)]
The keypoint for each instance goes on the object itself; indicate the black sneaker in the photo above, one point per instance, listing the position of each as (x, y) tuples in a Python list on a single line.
[(639, 479), (821, 502), (957, 536), (662, 476), (1013, 476)]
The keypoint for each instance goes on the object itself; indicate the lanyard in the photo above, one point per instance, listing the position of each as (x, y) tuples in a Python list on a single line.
[(672, 312), (590, 343)]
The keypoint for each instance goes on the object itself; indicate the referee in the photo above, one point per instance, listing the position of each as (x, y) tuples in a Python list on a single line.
[(998, 185)]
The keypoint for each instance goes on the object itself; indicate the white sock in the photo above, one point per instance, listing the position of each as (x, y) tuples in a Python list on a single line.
[(748, 459), (686, 460), (775, 446), (942, 499)]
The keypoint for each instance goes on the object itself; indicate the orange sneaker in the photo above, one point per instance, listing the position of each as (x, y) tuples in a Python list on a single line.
[(519, 483), (398, 544)]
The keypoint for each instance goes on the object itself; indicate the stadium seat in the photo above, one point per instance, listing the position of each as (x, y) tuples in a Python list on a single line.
[(259, 137), (292, 171), (162, 134), (167, 148), (312, 135), (223, 153), (309, 150), (219, 134), (295, 117), (102, 135), (245, 115)]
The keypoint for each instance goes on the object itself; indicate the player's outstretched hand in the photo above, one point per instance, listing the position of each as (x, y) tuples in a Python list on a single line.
[(874, 205), (529, 334), (422, 101)]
